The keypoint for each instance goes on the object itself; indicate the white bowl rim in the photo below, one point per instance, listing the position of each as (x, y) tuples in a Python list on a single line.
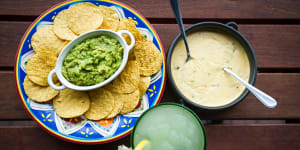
[(67, 84)]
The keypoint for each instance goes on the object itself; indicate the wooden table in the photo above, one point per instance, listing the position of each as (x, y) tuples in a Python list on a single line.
[(272, 27)]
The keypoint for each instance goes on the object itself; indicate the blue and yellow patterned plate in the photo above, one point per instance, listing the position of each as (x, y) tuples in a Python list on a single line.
[(81, 130)]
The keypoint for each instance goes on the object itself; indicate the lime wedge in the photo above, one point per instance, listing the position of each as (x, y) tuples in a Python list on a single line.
[(143, 145)]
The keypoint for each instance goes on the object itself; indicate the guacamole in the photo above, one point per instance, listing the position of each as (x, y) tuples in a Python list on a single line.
[(93, 60)]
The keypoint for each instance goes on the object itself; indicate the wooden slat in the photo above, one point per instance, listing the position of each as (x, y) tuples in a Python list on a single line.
[(282, 86), (225, 137), (201, 9), (10, 36), (12, 107), (253, 137), (276, 46)]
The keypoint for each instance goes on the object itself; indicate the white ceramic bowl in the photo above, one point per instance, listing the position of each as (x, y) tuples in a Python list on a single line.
[(59, 64)]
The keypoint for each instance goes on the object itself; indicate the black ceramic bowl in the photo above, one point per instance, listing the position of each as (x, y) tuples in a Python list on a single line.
[(231, 29)]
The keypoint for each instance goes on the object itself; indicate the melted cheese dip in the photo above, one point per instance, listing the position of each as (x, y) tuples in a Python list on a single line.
[(202, 79)]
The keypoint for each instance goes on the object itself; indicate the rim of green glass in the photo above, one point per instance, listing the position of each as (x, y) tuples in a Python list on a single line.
[(168, 103)]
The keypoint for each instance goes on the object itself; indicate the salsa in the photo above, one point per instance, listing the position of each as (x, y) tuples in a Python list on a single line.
[(93, 60)]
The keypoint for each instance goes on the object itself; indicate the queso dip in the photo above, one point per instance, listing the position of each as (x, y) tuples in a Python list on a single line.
[(202, 78)]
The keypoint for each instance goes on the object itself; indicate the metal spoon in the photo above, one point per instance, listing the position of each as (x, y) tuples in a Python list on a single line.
[(177, 13), (267, 100)]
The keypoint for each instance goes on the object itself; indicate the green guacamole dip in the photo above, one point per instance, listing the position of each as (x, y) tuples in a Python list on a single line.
[(93, 61)]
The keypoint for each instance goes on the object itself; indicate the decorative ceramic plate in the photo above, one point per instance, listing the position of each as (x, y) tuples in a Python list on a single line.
[(82, 130)]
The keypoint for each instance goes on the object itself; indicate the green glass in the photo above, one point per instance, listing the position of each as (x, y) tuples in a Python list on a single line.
[(170, 126)]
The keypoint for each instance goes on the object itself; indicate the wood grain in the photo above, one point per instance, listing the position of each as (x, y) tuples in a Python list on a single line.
[(12, 107), (253, 136), (276, 46), (200, 9), (284, 87), (271, 26), (225, 137), (10, 36)]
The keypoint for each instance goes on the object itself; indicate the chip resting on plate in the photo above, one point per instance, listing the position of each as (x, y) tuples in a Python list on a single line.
[(130, 101), (148, 57), (65, 44), (117, 106), (128, 80), (110, 18), (131, 55), (38, 93), (102, 103), (45, 39), (129, 25), (144, 84), (84, 17), (60, 26), (70, 103), (39, 66)]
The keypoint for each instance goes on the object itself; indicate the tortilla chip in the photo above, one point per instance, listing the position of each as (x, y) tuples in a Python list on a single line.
[(117, 106), (110, 18), (131, 55), (129, 25), (144, 84), (60, 26), (148, 57), (45, 39), (84, 17), (127, 81), (130, 101), (70, 103), (39, 66), (102, 103), (38, 93), (65, 44)]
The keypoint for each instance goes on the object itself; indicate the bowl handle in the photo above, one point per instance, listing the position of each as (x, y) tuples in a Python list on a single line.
[(233, 25), (121, 32), (50, 81)]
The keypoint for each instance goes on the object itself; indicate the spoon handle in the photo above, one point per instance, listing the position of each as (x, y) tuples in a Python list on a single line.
[(177, 13), (267, 100)]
